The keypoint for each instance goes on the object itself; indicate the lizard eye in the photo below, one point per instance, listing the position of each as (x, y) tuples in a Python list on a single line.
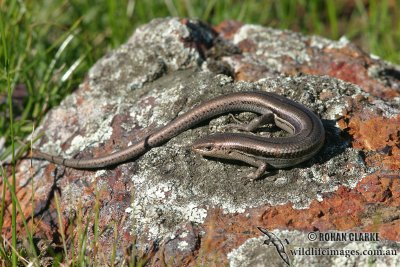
[(203, 147), (208, 148)]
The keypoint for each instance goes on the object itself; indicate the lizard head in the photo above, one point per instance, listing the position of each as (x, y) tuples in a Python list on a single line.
[(205, 147), (211, 146)]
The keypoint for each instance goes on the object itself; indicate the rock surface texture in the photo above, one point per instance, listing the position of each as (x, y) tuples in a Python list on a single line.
[(175, 207)]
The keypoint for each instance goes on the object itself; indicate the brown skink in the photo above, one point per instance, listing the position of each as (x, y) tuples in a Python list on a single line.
[(306, 139)]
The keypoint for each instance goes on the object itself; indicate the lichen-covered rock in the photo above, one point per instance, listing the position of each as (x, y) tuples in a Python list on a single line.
[(177, 208)]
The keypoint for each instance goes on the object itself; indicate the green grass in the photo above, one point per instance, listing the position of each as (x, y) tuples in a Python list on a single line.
[(48, 46)]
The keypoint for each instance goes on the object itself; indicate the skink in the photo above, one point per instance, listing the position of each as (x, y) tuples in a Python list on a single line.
[(306, 139)]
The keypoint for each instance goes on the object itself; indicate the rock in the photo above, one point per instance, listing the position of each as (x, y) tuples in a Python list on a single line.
[(173, 206)]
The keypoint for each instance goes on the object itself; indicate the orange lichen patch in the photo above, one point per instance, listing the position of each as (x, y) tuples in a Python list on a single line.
[(250, 72), (40, 207), (247, 45), (348, 64), (344, 210), (365, 207), (228, 28), (341, 211), (375, 133), (225, 232), (390, 161), (384, 188), (346, 71)]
